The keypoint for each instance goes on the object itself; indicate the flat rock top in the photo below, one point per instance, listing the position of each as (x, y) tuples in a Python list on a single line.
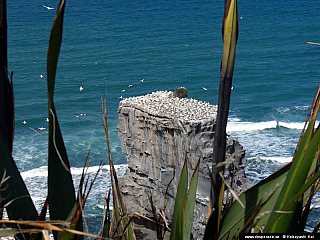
[(164, 104)]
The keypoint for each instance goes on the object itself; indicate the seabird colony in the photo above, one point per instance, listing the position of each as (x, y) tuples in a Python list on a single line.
[(164, 104)]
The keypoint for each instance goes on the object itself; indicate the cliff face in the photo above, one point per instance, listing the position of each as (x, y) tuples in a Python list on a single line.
[(157, 132)]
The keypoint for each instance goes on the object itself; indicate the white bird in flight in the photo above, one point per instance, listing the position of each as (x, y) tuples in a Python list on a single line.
[(41, 128), (204, 88), (41, 76), (24, 122), (49, 8), (81, 88)]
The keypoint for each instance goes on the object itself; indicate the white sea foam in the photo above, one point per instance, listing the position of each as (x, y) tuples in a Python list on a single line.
[(43, 171), (292, 125), (284, 110), (278, 159), (36, 182), (250, 126), (238, 126), (36, 172)]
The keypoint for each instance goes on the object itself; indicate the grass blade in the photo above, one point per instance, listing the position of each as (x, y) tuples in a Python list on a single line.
[(61, 192), (230, 36), (181, 196), (6, 87), (123, 221), (106, 217), (188, 209), (236, 217), (14, 190), (301, 164)]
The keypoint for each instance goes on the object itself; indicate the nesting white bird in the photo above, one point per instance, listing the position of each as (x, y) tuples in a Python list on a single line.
[(164, 104)]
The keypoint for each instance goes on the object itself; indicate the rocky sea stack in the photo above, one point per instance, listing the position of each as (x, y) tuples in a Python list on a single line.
[(157, 131)]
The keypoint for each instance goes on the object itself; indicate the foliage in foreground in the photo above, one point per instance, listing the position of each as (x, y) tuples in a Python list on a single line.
[(263, 208), (280, 203)]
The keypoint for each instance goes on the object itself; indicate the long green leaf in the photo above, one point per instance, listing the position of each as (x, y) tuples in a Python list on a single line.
[(307, 185), (105, 231), (230, 30), (235, 218), (121, 217), (61, 193), (296, 178), (6, 87), (181, 196), (188, 208), (15, 194)]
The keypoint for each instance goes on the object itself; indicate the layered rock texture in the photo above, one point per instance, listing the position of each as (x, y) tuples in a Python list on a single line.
[(157, 131)]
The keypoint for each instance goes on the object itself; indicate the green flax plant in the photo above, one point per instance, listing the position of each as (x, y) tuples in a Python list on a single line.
[(230, 29), (184, 203), (64, 208), (120, 225), (281, 202), (282, 198), (14, 195)]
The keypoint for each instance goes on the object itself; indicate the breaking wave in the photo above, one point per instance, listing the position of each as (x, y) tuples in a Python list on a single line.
[(257, 126)]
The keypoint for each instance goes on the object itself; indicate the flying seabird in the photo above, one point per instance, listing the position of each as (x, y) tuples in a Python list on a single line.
[(80, 88), (142, 80), (24, 122), (204, 88), (49, 8), (41, 76), (77, 116), (47, 119), (41, 128), (130, 85)]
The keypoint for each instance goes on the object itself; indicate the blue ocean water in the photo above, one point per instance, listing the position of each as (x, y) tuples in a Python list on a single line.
[(109, 45)]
